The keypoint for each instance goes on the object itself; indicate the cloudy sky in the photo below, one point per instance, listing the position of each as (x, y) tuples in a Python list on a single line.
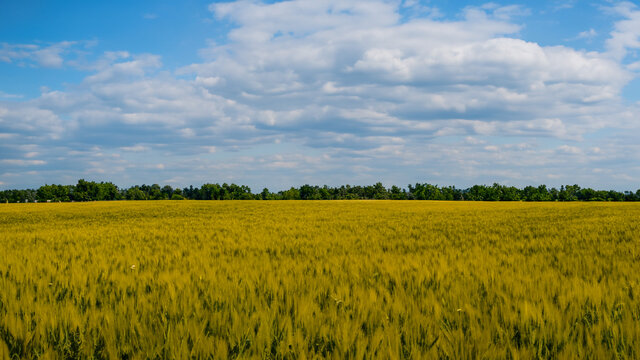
[(282, 93)]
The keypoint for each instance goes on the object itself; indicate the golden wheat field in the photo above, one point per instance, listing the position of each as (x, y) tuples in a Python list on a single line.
[(334, 279)]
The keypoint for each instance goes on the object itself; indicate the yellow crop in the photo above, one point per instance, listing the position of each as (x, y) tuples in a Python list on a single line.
[(336, 279)]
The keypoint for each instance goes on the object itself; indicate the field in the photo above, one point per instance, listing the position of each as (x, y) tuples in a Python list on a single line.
[(309, 279)]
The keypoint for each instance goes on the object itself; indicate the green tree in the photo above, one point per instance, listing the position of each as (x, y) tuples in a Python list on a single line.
[(397, 194), (167, 190), (135, 193), (265, 194), (45, 192), (86, 191), (291, 194)]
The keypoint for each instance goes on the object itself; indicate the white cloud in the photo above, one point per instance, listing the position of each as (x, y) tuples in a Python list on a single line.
[(570, 150), (135, 148), (564, 4), (408, 72), (30, 119), (50, 56), (588, 34), (9, 96), (22, 162), (134, 68), (625, 37), (352, 80)]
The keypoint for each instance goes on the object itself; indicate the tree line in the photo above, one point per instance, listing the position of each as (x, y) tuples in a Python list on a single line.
[(94, 191)]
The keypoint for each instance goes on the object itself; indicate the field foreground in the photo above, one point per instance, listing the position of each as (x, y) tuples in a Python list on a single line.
[(337, 279)]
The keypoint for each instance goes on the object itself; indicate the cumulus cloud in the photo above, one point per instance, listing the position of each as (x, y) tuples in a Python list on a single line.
[(338, 91), (50, 56), (588, 34), (421, 75), (625, 37), (131, 67)]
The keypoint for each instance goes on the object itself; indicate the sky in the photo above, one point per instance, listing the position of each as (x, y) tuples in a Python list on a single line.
[(283, 93)]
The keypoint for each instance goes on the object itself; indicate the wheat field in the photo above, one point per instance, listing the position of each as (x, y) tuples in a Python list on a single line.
[(313, 279)]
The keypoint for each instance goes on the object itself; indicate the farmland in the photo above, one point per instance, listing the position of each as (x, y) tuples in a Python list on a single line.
[(330, 279)]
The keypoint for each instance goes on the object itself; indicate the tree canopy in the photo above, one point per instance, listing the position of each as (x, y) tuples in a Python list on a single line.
[(94, 191)]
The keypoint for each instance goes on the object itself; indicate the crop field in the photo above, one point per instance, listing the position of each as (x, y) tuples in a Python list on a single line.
[(313, 279)]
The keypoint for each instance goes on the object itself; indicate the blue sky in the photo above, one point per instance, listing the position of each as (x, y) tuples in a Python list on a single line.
[(279, 94)]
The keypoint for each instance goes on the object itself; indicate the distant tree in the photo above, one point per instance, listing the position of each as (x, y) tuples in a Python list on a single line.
[(510, 193), (380, 192), (156, 193), (476, 193), (324, 193), (543, 194), (308, 192), (135, 193), (615, 196), (569, 193), (91, 191), (265, 194), (396, 193), (450, 193), (291, 194), (108, 191), (586, 194), (86, 191), (45, 192), (167, 190), (210, 192)]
